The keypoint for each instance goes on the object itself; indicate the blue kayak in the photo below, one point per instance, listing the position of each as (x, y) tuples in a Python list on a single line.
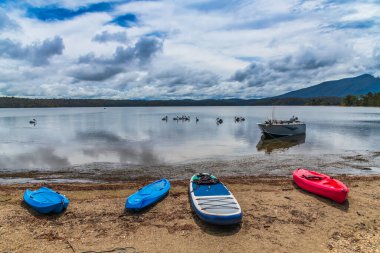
[(45, 200), (148, 195), (212, 201)]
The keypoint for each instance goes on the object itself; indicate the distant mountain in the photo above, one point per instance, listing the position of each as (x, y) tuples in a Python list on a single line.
[(326, 93), (339, 88)]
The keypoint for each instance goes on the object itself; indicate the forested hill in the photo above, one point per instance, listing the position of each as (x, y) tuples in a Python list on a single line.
[(359, 85)]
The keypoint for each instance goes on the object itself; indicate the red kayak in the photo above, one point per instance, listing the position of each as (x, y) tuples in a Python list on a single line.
[(321, 184)]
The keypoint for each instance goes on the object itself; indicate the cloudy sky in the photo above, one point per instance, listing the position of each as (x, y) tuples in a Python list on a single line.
[(182, 48)]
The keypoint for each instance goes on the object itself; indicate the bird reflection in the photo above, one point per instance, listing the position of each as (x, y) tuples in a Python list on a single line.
[(268, 145)]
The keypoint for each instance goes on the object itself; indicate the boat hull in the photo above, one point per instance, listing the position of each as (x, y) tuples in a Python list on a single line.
[(45, 200), (214, 204), (280, 130), (148, 195), (321, 184)]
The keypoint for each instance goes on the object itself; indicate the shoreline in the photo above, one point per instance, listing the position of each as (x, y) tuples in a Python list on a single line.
[(354, 163), (141, 181), (277, 216)]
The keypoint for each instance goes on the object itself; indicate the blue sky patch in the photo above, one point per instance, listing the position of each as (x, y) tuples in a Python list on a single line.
[(55, 13), (214, 5), (126, 20), (362, 24)]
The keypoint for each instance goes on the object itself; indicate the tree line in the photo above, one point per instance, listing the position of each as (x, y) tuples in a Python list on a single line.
[(15, 102), (371, 99)]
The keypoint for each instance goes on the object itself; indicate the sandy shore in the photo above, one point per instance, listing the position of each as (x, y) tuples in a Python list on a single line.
[(278, 217)]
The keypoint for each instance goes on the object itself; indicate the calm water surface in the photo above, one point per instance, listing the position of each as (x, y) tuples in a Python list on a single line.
[(66, 137)]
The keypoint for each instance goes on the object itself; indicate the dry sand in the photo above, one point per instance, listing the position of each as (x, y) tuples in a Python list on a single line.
[(278, 217)]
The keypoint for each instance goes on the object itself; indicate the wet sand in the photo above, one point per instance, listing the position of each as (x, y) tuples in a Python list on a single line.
[(278, 217), (354, 163)]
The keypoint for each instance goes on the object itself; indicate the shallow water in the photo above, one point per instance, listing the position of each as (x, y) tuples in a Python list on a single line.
[(66, 137)]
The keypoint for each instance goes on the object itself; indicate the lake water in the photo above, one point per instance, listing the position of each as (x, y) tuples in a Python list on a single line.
[(65, 137)]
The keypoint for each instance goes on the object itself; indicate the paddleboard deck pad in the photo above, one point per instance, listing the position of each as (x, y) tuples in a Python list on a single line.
[(212, 201)]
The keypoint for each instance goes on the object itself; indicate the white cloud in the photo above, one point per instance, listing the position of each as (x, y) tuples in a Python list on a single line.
[(277, 46)]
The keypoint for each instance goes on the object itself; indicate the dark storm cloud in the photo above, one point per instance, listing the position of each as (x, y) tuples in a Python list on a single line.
[(299, 65), (255, 75), (122, 55), (146, 47), (37, 53), (6, 23), (96, 73), (307, 58), (141, 52), (87, 58), (105, 37), (376, 57), (180, 76), (102, 68)]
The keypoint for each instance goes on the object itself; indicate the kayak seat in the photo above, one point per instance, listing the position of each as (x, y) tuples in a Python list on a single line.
[(332, 183), (313, 177)]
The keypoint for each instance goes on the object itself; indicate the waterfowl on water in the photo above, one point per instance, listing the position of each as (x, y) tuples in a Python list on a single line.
[(238, 119)]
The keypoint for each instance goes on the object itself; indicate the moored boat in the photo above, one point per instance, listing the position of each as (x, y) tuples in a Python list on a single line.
[(148, 195), (279, 128), (45, 200), (212, 201), (321, 184)]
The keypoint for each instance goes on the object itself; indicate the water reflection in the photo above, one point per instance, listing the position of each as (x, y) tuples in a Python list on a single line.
[(45, 157), (75, 136), (103, 143), (268, 145)]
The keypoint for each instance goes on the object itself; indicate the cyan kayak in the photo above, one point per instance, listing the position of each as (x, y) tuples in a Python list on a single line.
[(45, 200), (148, 195)]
